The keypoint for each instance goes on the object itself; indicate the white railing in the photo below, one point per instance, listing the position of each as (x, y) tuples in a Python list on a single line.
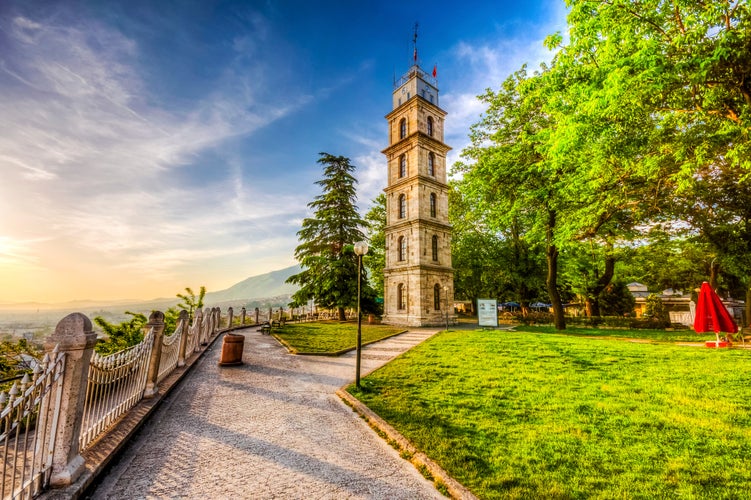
[(28, 413), (115, 384), (194, 334), (170, 352), (76, 396)]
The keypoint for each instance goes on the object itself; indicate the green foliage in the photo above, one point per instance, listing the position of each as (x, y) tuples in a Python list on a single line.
[(525, 415), (329, 273), (120, 336), (191, 302), (616, 300), (131, 332), (501, 264), (12, 361), (375, 260), (642, 121), (655, 310)]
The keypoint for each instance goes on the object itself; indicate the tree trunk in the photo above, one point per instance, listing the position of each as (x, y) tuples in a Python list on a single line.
[(591, 307), (551, 255), (714, 273), (342, 315), (592, 302)]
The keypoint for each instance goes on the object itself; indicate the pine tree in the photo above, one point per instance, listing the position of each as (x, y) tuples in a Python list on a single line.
[(329, 275)]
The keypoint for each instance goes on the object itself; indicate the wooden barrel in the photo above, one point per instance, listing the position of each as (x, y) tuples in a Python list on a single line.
[(232, 349)]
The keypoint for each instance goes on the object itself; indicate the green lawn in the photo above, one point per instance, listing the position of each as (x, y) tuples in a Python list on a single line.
[(330, 336), (652, 335), (539, 415)]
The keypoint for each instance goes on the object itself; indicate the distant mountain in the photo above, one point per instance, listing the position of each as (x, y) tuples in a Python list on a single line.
[(257, 287)]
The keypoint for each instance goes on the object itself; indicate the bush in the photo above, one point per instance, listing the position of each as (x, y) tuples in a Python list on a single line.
[(656, 312)]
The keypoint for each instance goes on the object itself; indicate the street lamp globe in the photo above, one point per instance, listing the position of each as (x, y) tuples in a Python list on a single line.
[(361, 248)]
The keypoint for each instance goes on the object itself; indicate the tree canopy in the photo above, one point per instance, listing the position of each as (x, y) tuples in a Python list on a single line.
[(641, 121), (329, 275)]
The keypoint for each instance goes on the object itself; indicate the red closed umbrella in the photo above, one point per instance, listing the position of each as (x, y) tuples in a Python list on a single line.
[(711, 315)]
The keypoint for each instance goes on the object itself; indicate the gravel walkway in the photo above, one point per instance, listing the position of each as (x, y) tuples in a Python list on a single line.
[(271, 428)]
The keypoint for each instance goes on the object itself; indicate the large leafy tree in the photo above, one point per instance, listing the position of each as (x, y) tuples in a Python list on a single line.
[(497, 263), (329, 275), (677, 75), (512, 172)]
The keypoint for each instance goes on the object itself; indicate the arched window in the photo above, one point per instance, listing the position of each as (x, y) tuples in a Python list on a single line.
[(403, 128), (430, 126), (402, 166), (431, 164), (401, 297), (432, 204), (402, 248), (402, 206), (437, 297), (434, 247)]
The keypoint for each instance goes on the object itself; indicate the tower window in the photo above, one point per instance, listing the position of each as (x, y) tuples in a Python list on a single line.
[(402, 249), (402, 206), (430, 126), (401, 297), (437, 297), (434, 248), (431, 164), (432, 204), (402, 166), (403, 128)]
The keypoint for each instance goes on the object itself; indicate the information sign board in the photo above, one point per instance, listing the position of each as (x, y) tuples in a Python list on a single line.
[(487, 312)]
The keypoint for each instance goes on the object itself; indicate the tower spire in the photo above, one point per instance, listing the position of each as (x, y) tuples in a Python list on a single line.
[(414, 44)]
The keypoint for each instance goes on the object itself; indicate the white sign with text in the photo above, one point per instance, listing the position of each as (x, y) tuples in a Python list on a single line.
[(487, 312)]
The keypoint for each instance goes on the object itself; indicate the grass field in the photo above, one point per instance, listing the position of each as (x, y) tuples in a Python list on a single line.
[(330, 336), (543, 415)]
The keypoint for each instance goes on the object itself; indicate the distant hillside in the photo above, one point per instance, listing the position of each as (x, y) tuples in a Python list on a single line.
[(257, 287)]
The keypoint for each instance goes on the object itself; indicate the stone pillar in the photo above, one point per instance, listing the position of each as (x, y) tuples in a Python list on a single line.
[(230, 314), (198, 323), (184, 320), (257, 311), (75, 339), (156, 321), (243, 312)]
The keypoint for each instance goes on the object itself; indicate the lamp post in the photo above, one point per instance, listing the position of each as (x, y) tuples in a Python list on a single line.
[(446, 293), (361, 248)]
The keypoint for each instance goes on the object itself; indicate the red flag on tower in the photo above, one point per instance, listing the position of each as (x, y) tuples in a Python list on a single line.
[(435, 70)]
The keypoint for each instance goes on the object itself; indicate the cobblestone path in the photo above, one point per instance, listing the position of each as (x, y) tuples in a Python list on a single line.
[(271, 428)]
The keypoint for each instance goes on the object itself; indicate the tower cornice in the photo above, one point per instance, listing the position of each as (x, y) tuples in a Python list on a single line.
[(418, 136)]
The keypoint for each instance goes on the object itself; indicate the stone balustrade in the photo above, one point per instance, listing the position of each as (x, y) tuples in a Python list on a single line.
[(57, 429)]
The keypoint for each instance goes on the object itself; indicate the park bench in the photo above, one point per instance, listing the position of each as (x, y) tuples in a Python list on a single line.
[(267, 326)]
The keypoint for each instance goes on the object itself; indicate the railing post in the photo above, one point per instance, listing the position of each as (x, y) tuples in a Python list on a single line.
[(243, 312), (75, 339), (156, 321), (183, 320), (217, 323), (198, 321), (230, 313), (257, 311)]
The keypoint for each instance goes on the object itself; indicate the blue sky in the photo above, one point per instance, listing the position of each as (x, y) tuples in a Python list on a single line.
[(153, 145)]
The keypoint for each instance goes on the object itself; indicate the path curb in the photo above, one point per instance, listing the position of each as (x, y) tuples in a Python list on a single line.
[(441, 479)]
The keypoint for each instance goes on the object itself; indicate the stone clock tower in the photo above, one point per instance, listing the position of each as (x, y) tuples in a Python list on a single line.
[(419, 279)]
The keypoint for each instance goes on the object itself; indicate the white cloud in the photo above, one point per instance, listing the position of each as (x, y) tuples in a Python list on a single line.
[(88, 160), (486, 64)]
